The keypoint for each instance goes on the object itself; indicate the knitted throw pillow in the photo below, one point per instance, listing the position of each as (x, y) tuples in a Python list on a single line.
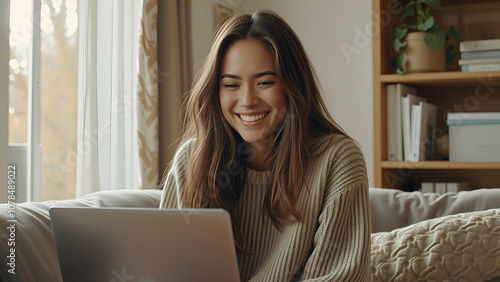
[(461, 247)]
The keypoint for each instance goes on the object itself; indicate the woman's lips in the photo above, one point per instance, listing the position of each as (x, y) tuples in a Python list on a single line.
[(252, 118)]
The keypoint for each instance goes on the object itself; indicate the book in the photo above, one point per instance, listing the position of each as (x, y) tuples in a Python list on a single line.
[(478, 61), (481, 67), (445, 187), (394, 92), (406, 103), (455, 187), (480, 45), (480, 54), (427, 187), (440, 187), (423, 131)]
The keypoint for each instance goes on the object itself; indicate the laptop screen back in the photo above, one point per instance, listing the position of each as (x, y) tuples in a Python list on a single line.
[(146, 245)]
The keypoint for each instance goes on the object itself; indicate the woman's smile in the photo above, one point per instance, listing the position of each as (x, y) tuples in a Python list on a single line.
[(250, 93), (252, 117)]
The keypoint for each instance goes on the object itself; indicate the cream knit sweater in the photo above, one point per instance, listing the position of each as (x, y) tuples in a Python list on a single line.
[(331, 243)]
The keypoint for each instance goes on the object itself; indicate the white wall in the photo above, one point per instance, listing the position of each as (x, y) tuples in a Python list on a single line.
[(4, 95), (323, 27)]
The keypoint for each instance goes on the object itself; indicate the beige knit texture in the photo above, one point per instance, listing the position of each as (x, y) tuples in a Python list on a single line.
[(331, 243), (462, 247)]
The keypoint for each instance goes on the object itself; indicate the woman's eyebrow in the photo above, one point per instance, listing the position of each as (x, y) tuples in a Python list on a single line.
[(264, 73), (230, 76), (254, 76)]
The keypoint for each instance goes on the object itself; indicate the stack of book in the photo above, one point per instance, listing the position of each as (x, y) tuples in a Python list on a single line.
[(411, 124), (445, 187), (480, 55)]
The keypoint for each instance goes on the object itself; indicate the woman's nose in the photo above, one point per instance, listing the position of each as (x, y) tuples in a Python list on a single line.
[(248, 98)]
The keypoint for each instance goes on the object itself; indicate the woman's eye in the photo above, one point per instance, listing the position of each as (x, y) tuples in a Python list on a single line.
[(265, 83), (230, 85)]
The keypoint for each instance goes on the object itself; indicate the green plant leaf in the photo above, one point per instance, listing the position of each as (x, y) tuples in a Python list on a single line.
[(454, 33), (411, 25), (434, 28), (397, 63), (394, 62), (405, 12), (434, 4), (424, 14), (399, 33), (400, 61), (398, 44), (451, 54), (435, 40), (428, 24)]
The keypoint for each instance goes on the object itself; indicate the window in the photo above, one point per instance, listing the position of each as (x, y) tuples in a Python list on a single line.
[(43, 95)]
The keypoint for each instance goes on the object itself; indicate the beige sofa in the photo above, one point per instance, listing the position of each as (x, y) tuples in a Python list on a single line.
[(415, 237)]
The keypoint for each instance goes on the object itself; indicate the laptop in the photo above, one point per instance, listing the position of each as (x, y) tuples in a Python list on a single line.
[(144, 245)]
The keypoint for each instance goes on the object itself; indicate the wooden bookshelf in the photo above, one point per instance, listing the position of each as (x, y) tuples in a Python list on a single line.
[(440, 165), (451, 91), (442, 79)]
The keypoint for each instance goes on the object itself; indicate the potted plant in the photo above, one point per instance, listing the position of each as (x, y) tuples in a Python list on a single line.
[(419, 34)]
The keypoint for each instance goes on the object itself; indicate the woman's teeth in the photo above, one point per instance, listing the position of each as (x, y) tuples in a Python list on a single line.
[(253, 118)]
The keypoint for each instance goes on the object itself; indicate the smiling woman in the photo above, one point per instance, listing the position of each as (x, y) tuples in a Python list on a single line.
[(260, 144), (251, 97)]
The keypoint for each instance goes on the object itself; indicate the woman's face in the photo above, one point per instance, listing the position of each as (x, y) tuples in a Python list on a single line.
[(251, 97)]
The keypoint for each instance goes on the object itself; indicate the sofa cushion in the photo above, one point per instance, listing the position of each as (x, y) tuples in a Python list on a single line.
[(461, 247), (35, 254), (392, 209)]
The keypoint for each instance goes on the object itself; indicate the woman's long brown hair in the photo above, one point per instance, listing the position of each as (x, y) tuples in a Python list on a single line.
[(217, 165)]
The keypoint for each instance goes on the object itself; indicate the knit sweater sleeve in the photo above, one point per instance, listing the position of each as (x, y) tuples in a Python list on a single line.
[(341, 246), (175, 179)]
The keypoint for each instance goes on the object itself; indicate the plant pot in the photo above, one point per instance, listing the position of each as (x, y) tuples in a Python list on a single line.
[(420, 58)]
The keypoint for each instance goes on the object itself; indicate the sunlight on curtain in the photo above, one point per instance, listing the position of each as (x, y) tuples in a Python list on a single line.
[(147, 96), (109, 143)]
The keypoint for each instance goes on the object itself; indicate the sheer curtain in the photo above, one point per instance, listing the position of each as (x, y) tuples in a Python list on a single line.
[(118, 96)]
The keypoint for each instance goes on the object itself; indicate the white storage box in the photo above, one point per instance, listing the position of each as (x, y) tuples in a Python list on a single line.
[(474, 137)]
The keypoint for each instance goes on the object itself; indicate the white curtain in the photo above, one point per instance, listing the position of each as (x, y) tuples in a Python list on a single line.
[(108, 124), (148, 96)]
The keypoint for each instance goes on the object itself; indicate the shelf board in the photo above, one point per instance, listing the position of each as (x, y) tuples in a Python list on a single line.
[(440, 165), (443, 79), (461, 2)]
